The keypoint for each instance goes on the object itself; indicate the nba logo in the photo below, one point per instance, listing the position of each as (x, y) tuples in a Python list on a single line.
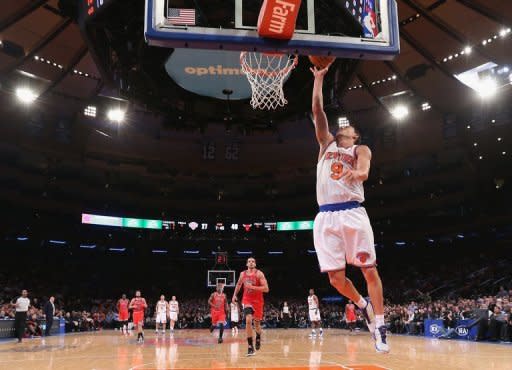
[(370, 28)]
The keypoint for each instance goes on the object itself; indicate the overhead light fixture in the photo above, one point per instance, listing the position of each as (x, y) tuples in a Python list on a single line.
[(400, 112), (487, 87), (468, 127), (88, 246), (499, 139), (90, 111), (26, 95), (475, 144), (468, 50), (117, 249), (343, 122), (481, 157), (116, 115), (425, 106), (503, 153)]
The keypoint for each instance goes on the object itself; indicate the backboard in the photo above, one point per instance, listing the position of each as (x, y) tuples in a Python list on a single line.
[(225, 277), (359, 29)]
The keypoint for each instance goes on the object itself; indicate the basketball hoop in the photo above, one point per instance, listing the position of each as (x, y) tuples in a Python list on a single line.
[(266, 73)]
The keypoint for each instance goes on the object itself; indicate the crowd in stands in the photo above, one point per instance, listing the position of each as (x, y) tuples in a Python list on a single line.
[(496, 325)]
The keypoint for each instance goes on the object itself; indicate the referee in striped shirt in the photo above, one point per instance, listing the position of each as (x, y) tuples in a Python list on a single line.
[(20, 319)]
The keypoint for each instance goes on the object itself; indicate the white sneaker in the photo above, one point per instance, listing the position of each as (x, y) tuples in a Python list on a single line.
[(312, 335), (369, 317), (380, 337)]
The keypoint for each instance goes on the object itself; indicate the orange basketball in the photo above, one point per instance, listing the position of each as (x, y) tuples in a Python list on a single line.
[(321, 61)]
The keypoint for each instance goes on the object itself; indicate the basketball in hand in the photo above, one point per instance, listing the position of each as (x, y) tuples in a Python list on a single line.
[(321, 61)]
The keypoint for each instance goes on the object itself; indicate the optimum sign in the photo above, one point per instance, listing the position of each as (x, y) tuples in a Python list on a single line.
[(208, 72)]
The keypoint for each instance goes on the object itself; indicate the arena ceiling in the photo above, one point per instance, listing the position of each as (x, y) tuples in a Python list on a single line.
[(42, 44), (42, 47)]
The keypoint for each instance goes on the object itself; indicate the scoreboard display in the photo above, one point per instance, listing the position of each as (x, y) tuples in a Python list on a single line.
[(90, 8)]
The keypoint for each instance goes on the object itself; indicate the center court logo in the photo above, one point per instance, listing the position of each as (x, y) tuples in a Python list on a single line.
[(434, 329)]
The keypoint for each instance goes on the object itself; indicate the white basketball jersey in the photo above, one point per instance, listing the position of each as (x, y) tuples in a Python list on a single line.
[(161, 307), (312, 303), (234, 311), (330, 186), (173, 306)]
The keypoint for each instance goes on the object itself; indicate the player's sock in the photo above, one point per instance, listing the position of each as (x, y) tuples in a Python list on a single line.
[(258, 341), (379, 321), (361, 303), (249, 342), (221, 331), (212, 328)]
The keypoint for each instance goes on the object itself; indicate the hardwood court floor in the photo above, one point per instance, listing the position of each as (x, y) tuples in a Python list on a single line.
[(281, 349)]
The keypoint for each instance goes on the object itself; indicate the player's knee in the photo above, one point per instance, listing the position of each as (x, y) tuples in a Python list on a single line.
[(337, 280), (371, 275)]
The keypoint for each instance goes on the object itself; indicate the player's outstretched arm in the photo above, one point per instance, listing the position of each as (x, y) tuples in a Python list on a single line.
[(323, 136), (132, 304), (210, 300)]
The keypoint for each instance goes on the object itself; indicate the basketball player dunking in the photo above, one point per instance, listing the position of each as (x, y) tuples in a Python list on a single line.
[(174, 310), (255, 284), (162, 307), (235, 317), (124, 314), (218, 308), (138, 305), (342, 231), (314, 314)]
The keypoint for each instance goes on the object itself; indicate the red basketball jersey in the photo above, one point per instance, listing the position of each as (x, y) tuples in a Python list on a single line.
[(250, 295), (219, 302), (138, 305), (123, 305)]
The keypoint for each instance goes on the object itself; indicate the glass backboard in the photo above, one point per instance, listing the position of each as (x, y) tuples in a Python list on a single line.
[(360, 29)]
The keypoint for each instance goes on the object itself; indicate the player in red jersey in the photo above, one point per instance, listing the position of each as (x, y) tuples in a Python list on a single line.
[(255, 284), (218, 306), (350, 315), (124, 315), (138, 305)]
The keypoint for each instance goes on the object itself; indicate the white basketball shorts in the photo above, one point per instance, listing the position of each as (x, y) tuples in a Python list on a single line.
[(343, 237), (161, 318), (173, 316), (314, 315)]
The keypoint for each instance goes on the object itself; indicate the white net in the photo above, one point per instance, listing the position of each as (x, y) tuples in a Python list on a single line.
[(266, 74)]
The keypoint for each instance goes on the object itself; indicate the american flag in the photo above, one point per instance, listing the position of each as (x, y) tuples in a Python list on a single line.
[(182, 16)]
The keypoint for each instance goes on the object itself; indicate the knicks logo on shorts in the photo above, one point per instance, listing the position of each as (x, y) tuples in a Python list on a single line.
[(362, 257)]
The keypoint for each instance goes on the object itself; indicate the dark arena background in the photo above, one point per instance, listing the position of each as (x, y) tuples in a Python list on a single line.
[(131, 159)]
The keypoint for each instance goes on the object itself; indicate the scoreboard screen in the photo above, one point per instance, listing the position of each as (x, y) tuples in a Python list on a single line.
[(89, 8)]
